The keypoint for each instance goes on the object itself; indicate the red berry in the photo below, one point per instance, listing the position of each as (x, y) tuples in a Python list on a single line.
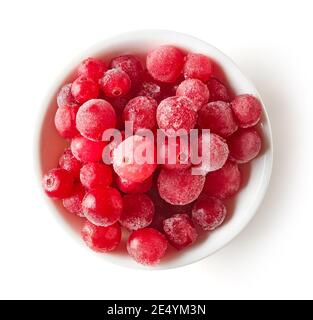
[(92, 68), (147, 246), (180, 231), (84, 89), (131, 65), (58, 183), (150, 89), (68, 162), (218, 117), (247, 110), (65, 97), (86, 150), (103, 207), (101, 239), (176, 113), (165, 63), (131, 187), (244, 145), (179, 187), (195, 90), (141, 111), (94, 117), (134, 158), (223, 183), (119, 104), (138, 211), (111, 147), (209, 213), (73, 203), (65, 123), (218, 91), (197, 66), (115, 83), (96, 175)]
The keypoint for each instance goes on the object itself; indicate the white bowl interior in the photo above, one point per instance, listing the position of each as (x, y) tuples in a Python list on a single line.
[(256, 175)]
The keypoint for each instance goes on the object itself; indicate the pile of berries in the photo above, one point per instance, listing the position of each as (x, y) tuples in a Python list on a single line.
[(160, 204)]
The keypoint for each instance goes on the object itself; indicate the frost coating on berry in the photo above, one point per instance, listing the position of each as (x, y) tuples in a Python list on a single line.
[(84, 89), (218, 117), (65, 97), (132, 187), (209, 213), (147, 246), (218, 91), (94, 117), (165, 63), (179, 187), (96, 175), (68, 162), (197, 66), (150, 89), (65, 123), (92, 68), (180, 231), (73, 203), (115, 83)]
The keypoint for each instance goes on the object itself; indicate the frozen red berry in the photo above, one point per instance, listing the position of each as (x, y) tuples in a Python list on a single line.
[(135, 158), (94, 117), (65, 123), (209, 213), (141, 111), (58, 183), (218, 117), (65, 97), (96, 175), (68, 162), (180, 231), (179, 187), (244, 145), (150, 89), (132, 187), (92, 68), (176, 113), (115, 83), (195, 90), (247, 110), (147, 246), (109, 149), (138, 211), (165, 63), (73, 203), (84, 89), (223, 183), (218, 91), (103, 207), (197, 66), (101, 239), (86, 150)]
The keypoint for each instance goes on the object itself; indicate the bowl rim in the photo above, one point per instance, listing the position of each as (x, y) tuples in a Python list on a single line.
[(96, 47)]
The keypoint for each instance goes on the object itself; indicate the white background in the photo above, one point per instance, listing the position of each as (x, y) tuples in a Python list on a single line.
[(271, 41)]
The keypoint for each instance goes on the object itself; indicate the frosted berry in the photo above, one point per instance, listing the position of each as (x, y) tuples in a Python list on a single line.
[(218, 91), (65, 97), (179, 187), (64, 121), (96, 175), (84, 89), (165, 63), (68, 162), (197, 66), (247, 110), (147, 246), (223, 183), (109, 149), (132, 187), (101, 239), (73, 203), (94, 117), (180, 231), (195, 90), (92, 68), (244, 145), (141, 111), (176, 113), (218, 117), (150, 89), (135, 158), (58, 183), (115, 83), (103, 207), (86, 150), (209, 213), (138, 211)]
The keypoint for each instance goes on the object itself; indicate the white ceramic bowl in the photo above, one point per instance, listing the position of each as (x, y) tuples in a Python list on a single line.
[(256, 176)]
